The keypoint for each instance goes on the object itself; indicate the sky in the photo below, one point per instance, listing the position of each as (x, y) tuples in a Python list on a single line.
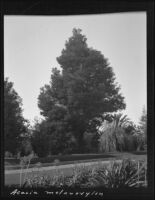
[(32, 43)]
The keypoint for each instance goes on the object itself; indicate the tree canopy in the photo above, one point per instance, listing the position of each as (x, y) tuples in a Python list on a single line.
[(14, 123), (83, 91)]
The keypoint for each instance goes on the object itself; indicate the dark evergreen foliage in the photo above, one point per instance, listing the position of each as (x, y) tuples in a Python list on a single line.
[(83, 91), (14, 123)]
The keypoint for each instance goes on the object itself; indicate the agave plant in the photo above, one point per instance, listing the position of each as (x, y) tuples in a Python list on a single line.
[(120, 174)]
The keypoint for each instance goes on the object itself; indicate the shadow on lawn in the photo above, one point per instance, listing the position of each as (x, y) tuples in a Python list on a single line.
[(139, 152)]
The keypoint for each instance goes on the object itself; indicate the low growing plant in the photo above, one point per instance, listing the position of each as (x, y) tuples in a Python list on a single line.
[(37, 181), (126, 173), (80, 176), (120, 174)]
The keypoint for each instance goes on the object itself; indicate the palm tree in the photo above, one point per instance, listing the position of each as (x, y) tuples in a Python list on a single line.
[(112, 134), (120, 121)]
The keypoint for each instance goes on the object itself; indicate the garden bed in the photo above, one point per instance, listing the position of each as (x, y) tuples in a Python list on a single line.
[(126, 173)]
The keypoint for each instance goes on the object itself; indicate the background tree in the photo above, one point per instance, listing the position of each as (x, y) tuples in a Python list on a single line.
[(14, 123), (84, 90), (141, 132), (39, 139), (143, 124), (51, 138)]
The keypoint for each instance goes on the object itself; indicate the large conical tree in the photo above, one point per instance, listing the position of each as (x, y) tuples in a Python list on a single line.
[(14, 123), (83, 91)]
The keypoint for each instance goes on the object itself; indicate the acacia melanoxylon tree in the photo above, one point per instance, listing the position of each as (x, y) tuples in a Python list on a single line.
[(14, 123), (81, 93)]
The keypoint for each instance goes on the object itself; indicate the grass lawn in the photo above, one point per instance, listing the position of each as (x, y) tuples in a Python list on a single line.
[(75, 158)]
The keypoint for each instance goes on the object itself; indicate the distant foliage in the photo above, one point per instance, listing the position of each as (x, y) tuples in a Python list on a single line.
[(26, 147), (141, 132), (91, 142)]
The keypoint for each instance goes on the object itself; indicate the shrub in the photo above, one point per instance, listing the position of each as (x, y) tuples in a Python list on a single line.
[(140, 140), (8, 154), (91, 140), (130, 142)]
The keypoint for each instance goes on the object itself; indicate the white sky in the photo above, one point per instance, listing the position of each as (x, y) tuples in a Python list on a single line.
[(32, 43)]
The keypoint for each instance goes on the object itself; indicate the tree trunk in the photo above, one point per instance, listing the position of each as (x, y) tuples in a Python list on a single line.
[(138, 148)]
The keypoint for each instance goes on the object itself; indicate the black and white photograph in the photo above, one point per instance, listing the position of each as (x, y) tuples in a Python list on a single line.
[(75, 103)]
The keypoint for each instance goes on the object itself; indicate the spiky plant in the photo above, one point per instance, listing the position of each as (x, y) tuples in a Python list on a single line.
[(120, 174), (120, 120)]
